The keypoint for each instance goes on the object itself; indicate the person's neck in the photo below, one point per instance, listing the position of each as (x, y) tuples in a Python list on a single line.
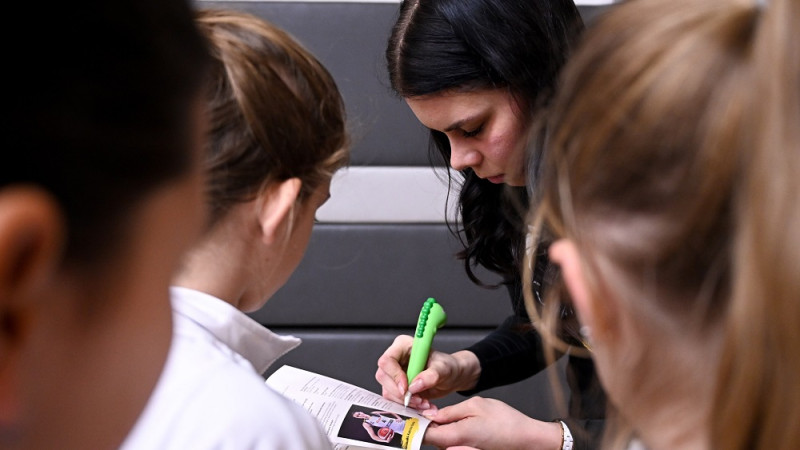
[(672, 410), (92, 349), (215, 267), (680, 424)]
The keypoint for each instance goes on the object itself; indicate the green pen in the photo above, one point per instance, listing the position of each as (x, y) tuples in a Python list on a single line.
[(431, 318)]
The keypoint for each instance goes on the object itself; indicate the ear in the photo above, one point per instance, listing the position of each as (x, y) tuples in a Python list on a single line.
[(591, 313), (276, 206), (31, 236)]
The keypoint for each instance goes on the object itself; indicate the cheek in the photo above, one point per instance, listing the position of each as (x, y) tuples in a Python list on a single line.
[(508, 144), (301, 235), (506, 153), (498, 149), (512, 148), (303, 238), (619, 365)]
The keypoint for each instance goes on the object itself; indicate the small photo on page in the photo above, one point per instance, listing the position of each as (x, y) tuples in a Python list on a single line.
[(385, 428)]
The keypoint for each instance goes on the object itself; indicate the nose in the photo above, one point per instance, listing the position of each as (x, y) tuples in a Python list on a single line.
[(463, 156)]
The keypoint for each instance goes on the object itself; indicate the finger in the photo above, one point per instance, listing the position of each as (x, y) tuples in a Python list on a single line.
[(419, 403), (444, 436), (424, 404), (425, 380), (449, 414), (433, 436), (392, 395), (390, 370), (396, 356), (390, 389)]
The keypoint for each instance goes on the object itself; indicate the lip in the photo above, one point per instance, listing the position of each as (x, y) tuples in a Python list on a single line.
[(497, 179)]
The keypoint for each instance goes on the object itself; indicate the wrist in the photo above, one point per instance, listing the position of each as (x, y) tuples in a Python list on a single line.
[(469, 369), (538, 434), (566, 436)]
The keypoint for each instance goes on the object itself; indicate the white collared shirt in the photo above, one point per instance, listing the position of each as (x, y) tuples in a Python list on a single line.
[(211, 393)]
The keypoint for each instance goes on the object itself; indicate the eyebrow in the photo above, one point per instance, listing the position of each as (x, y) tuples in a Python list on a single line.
[(460, 123)]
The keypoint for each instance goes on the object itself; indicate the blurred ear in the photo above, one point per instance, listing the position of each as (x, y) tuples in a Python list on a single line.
[(591, 313), (31, 237), (276, 206)]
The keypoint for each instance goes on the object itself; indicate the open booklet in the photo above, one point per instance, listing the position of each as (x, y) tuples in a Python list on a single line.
[(353, 417)]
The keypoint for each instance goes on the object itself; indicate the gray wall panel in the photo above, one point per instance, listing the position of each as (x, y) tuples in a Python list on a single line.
[(379, 275), (350, 38)]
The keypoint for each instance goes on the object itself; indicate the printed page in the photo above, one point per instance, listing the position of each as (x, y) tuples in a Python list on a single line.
[(353, 417)]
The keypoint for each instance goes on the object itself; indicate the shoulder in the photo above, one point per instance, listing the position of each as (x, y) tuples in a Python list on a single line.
[(203, 401), (246, 417)]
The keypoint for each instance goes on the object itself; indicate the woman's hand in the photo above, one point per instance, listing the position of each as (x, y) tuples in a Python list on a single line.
[(445, 373), (488, 424)]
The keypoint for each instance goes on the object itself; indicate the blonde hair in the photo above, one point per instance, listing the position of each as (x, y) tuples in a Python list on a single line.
[(275, 111), (674, 164)]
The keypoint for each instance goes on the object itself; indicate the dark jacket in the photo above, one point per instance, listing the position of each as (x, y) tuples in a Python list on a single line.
[(514, 352)]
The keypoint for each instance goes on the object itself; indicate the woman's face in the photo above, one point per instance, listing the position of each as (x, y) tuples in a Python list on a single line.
[(486, 130)]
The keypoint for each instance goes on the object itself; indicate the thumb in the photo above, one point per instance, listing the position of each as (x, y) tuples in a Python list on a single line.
[(448, 414), (427, 379)]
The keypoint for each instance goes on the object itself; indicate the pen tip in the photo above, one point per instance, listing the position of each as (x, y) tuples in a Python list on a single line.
[(407, 399)]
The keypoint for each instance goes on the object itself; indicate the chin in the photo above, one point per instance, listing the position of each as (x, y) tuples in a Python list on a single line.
[(515, 182), (252, 304)]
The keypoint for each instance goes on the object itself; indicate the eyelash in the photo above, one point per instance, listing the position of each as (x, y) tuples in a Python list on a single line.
[(473, 133)]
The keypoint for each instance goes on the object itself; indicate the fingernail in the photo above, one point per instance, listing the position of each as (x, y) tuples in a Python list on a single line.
[(415, 386), (425, 404), (429, 413), (401, 389)]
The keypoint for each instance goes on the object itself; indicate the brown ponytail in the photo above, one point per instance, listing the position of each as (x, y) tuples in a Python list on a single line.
[(758, 397), (275, 111), (673, 163)]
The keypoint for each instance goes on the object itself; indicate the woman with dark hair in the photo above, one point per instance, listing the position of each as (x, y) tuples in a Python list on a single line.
[(478, 73)]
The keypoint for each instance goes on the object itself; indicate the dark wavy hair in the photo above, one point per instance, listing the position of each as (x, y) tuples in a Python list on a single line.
[(463, 45)]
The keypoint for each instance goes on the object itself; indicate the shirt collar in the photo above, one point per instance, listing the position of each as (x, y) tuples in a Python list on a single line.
[(234, 328)]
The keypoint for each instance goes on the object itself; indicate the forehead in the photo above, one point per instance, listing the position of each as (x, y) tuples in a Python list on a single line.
[(441, 110)]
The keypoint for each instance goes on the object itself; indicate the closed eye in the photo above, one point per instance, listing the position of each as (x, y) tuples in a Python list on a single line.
[(472, 133)]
